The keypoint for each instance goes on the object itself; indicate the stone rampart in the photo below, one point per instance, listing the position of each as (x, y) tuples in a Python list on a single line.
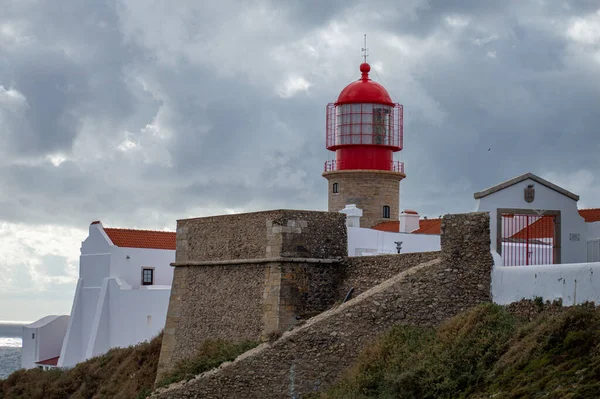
[(312, 356), (361, 273), (245, 276), (260, 235)]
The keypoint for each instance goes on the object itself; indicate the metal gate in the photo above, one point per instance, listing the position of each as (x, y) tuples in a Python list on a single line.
[(529, 238)]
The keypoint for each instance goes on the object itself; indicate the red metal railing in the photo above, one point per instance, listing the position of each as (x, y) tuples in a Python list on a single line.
[(528, 239), (364, 124), (330, 166)]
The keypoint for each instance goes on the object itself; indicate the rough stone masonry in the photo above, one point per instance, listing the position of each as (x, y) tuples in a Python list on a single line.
[(312, 356), (244, 276)]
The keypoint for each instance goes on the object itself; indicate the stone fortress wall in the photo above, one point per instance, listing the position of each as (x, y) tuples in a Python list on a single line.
[(421, 289), (311, 356), (245, 276)]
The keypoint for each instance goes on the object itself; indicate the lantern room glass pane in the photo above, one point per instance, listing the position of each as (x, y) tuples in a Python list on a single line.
[(364, 124)]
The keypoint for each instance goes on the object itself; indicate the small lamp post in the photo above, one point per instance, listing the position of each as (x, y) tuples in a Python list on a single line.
[(398, 245)]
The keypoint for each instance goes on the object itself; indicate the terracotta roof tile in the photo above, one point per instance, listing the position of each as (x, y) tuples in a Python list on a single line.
[(541, 228), (131, 238), (426, 226), (410, 212), (392, 226), (429, 226), (590, 215), (49, 362)]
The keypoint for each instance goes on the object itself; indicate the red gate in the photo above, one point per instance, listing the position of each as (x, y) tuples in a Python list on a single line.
[(528, 239)]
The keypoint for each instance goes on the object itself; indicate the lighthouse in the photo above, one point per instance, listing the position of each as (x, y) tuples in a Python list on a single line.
[(364, 129)]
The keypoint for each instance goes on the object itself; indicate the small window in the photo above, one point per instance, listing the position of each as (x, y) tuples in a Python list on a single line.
[(147, 276), (386, 212), (32, 335), (336, 188)]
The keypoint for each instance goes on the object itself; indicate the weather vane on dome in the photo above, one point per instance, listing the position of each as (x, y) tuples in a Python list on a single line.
[(365, 49)]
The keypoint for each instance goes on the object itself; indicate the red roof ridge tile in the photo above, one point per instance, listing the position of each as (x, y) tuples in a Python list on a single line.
[(140, 230)]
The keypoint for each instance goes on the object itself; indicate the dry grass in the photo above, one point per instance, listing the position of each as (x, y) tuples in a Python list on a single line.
[(125, 373), (484, 353)]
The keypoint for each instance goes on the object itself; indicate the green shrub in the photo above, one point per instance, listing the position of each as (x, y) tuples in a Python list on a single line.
[(483, 353)]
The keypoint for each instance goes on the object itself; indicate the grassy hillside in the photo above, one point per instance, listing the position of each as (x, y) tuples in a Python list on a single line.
[(125, 373), (120, 373), (484, 353)]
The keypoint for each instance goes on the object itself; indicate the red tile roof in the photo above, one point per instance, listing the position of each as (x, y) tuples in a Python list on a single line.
[(590, 215), (541, 228), (429, 226), (426, 226), (49, 362), (131, 238), (393, 226), (410, 212)]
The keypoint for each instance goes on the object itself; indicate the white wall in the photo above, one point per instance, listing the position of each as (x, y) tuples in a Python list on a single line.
[(114, 315), (130, 269), (408, 222), (72, 344), (145, 311), (51, 338), (28, 348), (43, 339), (369, 242), (545, 198), (573, 283), (94, 268), (593, 230), (97, 242)]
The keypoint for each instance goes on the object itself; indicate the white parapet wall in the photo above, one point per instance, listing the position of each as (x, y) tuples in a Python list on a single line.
[(573, 283), (363, 241)]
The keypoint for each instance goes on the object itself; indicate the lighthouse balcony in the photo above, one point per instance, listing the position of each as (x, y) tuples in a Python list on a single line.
[(390, 166)]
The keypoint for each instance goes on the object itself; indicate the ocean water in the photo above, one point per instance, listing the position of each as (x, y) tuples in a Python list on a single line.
[(10, 348)]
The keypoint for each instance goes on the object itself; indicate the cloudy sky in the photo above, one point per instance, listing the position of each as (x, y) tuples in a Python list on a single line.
[(141, 112)]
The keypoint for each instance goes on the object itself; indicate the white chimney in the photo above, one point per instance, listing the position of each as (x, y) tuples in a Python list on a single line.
[(353, 215), (409, 221)]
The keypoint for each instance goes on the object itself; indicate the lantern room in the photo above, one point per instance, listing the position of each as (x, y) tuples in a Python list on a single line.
[(364, 127)]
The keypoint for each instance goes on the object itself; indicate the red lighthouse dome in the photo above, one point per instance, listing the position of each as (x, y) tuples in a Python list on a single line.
[(364, 127), (364, 91)]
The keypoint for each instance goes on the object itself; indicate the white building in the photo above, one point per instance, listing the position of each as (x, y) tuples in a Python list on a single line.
[(543, 245), (122, 294), (409, 233), (531, 210), (42, 341)]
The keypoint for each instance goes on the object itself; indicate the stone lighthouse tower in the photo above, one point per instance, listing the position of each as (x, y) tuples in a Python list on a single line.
[(364, 128)]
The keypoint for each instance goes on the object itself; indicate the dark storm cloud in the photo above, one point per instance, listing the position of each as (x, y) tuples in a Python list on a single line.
[(165, 111), (68, 66), (139, 113)]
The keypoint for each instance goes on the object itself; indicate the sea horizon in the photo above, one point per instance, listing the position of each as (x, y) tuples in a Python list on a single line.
[(12, 329)]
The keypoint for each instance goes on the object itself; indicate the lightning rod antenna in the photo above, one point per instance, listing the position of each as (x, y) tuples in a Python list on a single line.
[(365, 50)]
